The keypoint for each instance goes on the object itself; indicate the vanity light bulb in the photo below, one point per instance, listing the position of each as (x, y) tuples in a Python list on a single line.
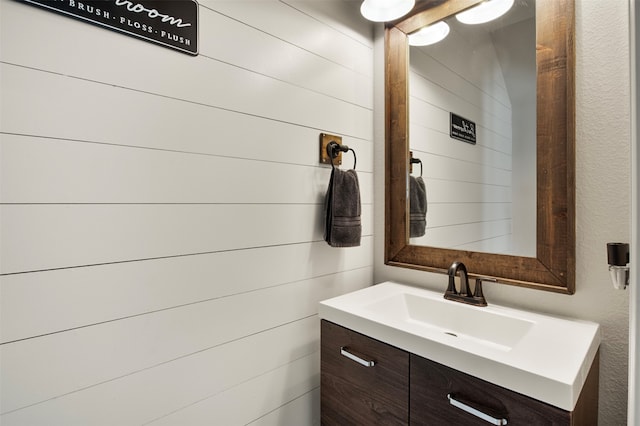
[(430, 34), (385, 10), (485, 12)]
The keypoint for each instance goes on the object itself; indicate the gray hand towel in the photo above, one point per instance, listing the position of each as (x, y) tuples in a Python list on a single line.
[(417, 207), (342, 206)]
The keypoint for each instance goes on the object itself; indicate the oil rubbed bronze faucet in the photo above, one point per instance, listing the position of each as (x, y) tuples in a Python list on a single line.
[(464, 295)]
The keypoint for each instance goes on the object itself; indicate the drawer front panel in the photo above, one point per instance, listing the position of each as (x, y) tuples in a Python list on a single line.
[(431, 385), (355, 394)]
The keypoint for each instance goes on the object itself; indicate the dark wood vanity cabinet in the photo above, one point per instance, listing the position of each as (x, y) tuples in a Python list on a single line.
[(406, 389), (354, 394), (432, 385)]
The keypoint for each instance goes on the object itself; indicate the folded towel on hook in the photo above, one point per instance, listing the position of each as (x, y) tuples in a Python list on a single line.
[(417, 207), (342, 207)]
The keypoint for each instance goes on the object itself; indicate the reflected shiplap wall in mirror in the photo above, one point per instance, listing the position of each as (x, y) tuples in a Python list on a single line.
[(481, 197)]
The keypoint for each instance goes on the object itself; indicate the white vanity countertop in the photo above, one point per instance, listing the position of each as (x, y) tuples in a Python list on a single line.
[(541, 356)]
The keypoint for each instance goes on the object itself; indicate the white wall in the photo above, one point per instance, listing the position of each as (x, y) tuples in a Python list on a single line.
[(603, 200), (161, 214), (468, 186), (634, 294)]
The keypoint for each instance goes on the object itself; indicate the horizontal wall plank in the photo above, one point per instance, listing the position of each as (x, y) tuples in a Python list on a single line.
[(66, 108), (171, 386), (439, 143), (501, 245), (434, 113), (489, 146), (57, 171), (451, 191), (112, 291), (456, 213), (469, 100), (229, 40), (486, 140), (234, 408), (36, 237), (438, 167), (458, 235), (302, 410), (342, 16), (469, 57), (37, 370), (283, 21), (228, 86)]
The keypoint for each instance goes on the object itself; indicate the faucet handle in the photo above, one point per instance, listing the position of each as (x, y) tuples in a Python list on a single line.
[(477, 291)]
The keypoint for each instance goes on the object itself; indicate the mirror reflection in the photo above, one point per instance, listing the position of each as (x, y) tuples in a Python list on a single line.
[(472, 127)]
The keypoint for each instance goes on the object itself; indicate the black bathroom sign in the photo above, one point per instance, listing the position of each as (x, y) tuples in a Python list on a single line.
[(462, 129), (170, 23)]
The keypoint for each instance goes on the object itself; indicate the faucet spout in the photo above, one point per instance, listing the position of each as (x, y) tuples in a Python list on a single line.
[(464, 279), (464, 295)]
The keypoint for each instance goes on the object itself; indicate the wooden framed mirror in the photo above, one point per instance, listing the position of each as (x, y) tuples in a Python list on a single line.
[(553, 266)]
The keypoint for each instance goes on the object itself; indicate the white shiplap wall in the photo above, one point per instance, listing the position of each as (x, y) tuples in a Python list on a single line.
[(161, 215), (468, 186)]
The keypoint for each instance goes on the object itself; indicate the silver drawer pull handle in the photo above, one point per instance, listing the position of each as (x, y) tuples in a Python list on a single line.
[(477, 413), (344, 351)]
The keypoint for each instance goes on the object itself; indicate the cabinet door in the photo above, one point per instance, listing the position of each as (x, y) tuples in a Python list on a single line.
[(355, 394), (431, 385)]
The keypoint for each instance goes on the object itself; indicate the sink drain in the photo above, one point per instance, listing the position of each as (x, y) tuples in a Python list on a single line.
[(451, 334)]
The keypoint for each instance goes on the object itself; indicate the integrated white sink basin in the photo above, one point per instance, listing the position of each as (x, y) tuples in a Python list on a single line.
[(476, 325), (541, 356)]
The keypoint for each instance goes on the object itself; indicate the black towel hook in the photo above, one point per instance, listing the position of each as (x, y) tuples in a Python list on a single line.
[(333, 148)]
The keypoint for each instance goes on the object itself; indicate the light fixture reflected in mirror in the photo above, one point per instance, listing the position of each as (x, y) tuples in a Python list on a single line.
[(430, 34), (485, 12), (385, 10)]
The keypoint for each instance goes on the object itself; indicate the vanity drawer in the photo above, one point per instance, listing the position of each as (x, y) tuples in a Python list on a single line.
[(431, 385), (355, 394)]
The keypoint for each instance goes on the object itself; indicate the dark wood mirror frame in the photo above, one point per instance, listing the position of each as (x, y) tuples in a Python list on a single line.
[(553, 268)]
